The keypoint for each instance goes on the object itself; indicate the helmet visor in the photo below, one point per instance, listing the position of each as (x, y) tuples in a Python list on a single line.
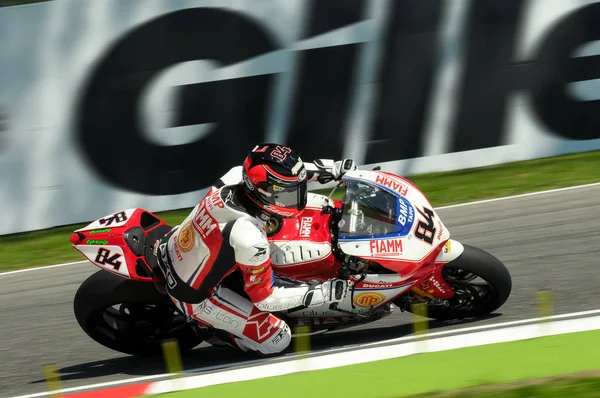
[(291, 196)]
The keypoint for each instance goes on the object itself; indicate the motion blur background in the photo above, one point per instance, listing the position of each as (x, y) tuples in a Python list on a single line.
[(111, 104)]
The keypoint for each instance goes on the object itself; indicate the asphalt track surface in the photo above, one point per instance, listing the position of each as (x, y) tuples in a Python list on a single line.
[(548, 241)]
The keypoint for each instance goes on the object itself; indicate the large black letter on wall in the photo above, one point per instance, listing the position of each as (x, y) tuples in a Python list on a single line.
[(489, 74), (325, 79), (556, 67), (109, 129), (406, 78)]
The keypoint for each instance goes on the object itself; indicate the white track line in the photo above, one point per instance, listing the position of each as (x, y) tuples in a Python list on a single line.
[(133, 380), (365, 355), (523, 195), (91, 386), (493, 326), (43, 267), (437, 208), (290, 357), (146, 378)]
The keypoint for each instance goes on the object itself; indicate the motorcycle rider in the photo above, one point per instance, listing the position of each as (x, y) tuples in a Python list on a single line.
[(226, 231)]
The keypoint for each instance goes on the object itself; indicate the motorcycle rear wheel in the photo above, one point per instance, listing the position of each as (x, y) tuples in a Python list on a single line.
[(130, 317), (473, 299)]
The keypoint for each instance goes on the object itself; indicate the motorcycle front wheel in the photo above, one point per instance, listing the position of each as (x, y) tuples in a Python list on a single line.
[(129, 316), (481, 283)]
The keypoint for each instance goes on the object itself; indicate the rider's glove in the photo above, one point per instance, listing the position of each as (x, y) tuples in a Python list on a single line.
[(329, 170), (340, 167), (332, 291)]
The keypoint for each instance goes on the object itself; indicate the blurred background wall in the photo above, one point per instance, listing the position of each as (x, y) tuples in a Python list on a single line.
[(111, 104)]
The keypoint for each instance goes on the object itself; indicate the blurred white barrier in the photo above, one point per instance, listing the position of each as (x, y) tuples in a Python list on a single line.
[(108, 104)]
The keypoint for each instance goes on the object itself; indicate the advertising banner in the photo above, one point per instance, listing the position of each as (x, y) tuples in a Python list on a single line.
[(111, 104)]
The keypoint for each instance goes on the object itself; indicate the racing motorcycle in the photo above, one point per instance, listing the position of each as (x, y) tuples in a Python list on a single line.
[(383, 236)]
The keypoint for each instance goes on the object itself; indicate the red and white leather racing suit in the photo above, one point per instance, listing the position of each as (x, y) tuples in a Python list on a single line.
[(218, 237)]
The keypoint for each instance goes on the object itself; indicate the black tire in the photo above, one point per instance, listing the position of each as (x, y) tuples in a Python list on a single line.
[(468, 302), (143, 319)]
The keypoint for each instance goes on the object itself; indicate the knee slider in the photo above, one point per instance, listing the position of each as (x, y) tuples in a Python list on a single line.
[(279, 342)]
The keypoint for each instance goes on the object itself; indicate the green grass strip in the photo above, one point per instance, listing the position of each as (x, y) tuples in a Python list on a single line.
[(577, 385), (52, 246), (429, 373)]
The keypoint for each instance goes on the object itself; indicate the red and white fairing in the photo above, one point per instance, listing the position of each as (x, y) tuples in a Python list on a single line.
[(302, 249), (103, 242), (425, 236)]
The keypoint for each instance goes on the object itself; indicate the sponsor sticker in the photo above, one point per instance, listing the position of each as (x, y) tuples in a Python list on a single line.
[(278, 338), (306, 227), (426, 287), (438, 285), (254, 280), (96, 242), (447, 247), (177, 251), (203, 221), (386, 247), (214, 200), (186, 238), (406, 216), (392, 183), (255, 271), (376, 285), (368, 299), (99, 231)]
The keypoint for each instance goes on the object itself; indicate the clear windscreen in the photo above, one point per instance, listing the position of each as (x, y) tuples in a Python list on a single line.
[(368, 211)]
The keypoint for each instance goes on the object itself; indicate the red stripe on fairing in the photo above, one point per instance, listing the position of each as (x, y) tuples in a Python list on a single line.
[(134, 390), (227, 308)]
